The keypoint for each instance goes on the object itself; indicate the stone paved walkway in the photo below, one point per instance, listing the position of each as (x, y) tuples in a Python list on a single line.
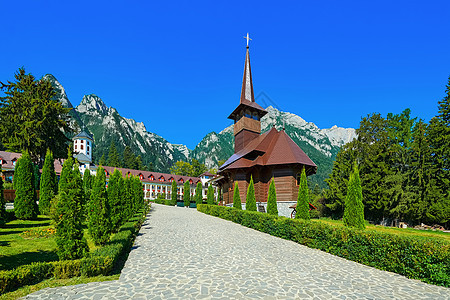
[(183, 254)]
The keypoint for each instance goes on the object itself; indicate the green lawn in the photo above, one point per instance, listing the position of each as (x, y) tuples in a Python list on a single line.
[(23, 242), (445, 236)]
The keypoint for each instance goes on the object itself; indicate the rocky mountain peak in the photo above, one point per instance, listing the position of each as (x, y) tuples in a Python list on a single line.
[(92, 104), (60, 91)]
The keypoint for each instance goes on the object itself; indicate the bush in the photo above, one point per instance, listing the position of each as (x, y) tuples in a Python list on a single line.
[(413, 257), (302, 199), (99, 213), (250, 201), (236, 197), (100, 262), (272, 208)]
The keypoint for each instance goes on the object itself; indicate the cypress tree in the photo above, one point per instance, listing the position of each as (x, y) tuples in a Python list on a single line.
[(138, 194), (272, 199), (302, 210), (2, 202), (236, 198), (25, 206), (115, 200), (174, 192), (128, 196), (98, 212), (69, 214), (186, 194), (198, 193), (48, 185), (250, 201), (219, 195), (354, 208), (210, 195)]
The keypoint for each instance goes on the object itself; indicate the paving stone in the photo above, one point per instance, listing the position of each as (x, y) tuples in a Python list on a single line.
[(184, 254)]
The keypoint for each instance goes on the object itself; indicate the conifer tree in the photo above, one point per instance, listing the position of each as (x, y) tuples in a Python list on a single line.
[(88, 180), (198, 193), (219, 195), (354, 208), (138, 194), (2, 202), (272, 199), (250, 201), (69, 214), (113, 157), (174, 193), (139, 165), (115, 200), (187, 194), (102, 161), (129, 160), (128, 196), (302, 210), (210, 195), (98, 212), (236, 197), (25, 206), (47, 185)]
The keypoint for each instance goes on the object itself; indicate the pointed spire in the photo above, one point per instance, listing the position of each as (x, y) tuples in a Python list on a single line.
[(247, 84)]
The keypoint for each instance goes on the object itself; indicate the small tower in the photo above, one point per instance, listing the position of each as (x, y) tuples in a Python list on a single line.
[(247, 115), (82, 149)]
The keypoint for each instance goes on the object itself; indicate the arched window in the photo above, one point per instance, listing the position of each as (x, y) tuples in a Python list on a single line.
[(141, 176), (81, 147), (151, 177)]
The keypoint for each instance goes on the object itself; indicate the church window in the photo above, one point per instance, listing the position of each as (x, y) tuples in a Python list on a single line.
[(255, 116), (88, 148), (82, 141), (81, 147), (75, 146)]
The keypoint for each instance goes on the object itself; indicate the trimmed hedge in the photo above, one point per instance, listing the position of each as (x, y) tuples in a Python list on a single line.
[(100, 262), (414, 257)]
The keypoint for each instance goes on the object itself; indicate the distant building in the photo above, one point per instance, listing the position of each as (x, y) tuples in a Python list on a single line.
[(83, 145), (263, 156)]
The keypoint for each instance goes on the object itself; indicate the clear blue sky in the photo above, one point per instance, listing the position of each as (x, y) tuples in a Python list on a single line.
[(177, 66)]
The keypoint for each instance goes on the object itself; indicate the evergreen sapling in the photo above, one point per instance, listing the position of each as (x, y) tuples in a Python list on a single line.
[(236, 197), (250, 201), (302, 210), (272, 199)]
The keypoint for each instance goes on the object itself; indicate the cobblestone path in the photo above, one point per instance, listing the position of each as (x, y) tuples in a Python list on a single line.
[(183, 254)]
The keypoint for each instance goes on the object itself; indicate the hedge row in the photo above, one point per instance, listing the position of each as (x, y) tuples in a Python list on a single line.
[(414, 257), (100, 262)]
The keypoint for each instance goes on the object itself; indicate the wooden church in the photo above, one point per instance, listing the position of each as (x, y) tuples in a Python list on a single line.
[(272, 154)]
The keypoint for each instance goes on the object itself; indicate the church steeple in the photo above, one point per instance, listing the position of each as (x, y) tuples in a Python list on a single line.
[(247, 116)]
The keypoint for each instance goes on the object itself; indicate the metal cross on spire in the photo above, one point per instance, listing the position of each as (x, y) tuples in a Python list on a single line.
[(247, 38)]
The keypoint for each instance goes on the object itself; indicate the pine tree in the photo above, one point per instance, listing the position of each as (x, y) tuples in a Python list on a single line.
[(210, 195), (115, 200), (113, 157), (250, 201), (25, 206), (98, 212), (302, 210), (102, 161), (354, 208), (139, 164), (2, 202), (198, 193), (186, 194), (129, 160), (69, 227), (174, 193), (272, 199), (48, 184), (236, 197)]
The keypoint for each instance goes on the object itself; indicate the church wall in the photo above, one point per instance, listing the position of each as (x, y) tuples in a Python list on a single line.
[(243, 138)]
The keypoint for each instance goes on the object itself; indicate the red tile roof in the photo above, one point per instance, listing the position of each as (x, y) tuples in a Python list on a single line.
[(271, 148)]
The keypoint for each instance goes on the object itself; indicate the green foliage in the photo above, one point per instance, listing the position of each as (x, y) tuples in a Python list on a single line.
[(69, 214), (32, 120), (113, 156), (129, 160), (219, 195), (210, 195), (115, 199), (186, 194), (98, 210), (197, 168), (174, 193), (354, 208), (181, 168), (128, 197), (414, 257), (88, 181), (25, 206), (48, 186), (100, 262), (302, 198), (3, 216), (198, 193), (236, 197), (250, 201), (138, 194), (102, 161), (272, 208)]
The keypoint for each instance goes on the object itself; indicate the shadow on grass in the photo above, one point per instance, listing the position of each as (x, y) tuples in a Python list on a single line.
[(13, 261), (4, 243), (10, 232)]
